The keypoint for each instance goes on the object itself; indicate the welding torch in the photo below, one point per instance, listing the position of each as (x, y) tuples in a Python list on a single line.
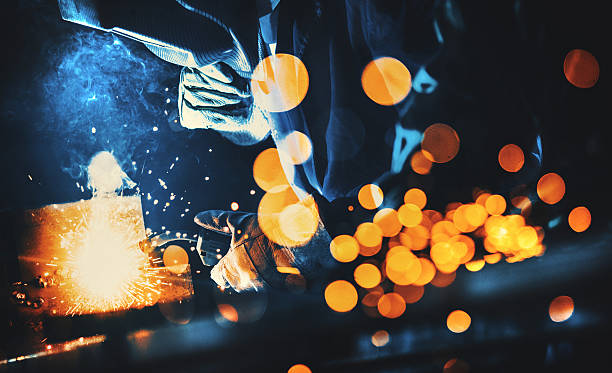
[(210, 245)]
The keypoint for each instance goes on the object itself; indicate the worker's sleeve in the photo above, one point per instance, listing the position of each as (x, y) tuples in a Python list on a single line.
[(216, 97), (255, 261)]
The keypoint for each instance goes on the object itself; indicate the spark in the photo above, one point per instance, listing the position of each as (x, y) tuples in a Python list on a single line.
[(155, 129), (107, 270)]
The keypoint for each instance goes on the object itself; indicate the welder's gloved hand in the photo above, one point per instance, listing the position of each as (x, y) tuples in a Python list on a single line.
[(216, 97), (254, 261)]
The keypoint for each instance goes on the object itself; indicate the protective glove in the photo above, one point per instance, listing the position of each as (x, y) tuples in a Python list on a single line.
[(216, 97), (254, 261)]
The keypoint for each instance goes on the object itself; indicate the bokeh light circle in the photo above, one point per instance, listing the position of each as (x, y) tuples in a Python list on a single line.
[(297, 146), (495, 204), (511, 158), (410, 215), (175, 259), (391, 305), (279, 82), (416, 196), (341, 296), (370, 196), (388, 221), (299, 368), (386, 81), (561, 308), (551, 188), (369, 234), (581, 68), (268, 171), (440, 143), (458, 321), (420, 164), (579, 219), (380, 338), (344, 248), (367, 275)]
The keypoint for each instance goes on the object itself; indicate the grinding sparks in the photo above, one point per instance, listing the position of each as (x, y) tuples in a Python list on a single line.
[(105, 268)]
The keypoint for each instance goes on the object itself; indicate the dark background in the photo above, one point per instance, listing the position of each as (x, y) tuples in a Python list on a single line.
[(58, 80)]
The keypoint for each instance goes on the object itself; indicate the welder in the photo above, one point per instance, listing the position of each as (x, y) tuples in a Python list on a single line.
[(355, 141)]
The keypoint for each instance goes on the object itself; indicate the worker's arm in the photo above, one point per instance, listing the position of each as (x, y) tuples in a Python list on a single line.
[(255, 260), (216, 97)]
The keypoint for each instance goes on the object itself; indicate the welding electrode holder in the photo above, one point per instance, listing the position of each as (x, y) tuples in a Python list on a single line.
[(211, 245)]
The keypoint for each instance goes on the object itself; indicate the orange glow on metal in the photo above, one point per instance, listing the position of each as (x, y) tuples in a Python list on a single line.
[(386, 81), (91, 249)]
